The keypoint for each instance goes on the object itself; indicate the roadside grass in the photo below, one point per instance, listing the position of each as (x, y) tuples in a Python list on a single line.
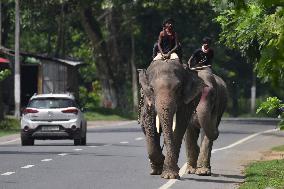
[(109, 114), (265, 174), (9, 125), (278, 148)]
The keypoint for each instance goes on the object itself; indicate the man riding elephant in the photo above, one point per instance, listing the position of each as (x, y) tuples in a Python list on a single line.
[(208, 112), (168, 45)]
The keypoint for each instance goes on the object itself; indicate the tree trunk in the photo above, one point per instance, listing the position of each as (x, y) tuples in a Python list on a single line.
[(119, 57), (17, 87), (253, 93), (0, 23), (1, 98), (60, 48), (102, 60), (1, 103), (134, 75)]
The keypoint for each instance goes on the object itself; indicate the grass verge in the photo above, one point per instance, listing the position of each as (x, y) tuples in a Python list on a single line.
[(108, 114), (265, 174), (278, 148), (9, 126)]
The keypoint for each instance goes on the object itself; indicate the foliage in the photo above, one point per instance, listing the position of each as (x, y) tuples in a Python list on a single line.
[(257, 30), (118, 21), (273, 104), (90, 99), (4, 74), (8, 126), (267, 174)]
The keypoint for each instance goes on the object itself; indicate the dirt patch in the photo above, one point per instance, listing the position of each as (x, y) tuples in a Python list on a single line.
[(272, 155)]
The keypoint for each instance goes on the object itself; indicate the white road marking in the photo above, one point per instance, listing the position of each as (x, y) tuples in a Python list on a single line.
[(182, 171), (243, 140), (63, 154), (46, 160), (107, 145), (93, 146), (139, 138), (77, 149), (27, 166), (7, 173), (124, 142), (10, 141)]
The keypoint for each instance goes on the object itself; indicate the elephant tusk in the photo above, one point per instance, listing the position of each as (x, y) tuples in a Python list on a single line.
[(157, 124), (148, 102), (174, 121)]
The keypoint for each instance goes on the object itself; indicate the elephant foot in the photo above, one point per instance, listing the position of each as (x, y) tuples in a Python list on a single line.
[(190, 169), (169, 174), (203, 171), (156, 169)]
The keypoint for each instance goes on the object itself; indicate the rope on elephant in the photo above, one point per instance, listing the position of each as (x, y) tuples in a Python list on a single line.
[(200, 67)]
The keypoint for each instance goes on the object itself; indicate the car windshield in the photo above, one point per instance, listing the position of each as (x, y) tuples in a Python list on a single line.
[(48, 103)]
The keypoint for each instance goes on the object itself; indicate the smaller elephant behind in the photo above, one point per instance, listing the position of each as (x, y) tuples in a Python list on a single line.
[(207, 117)]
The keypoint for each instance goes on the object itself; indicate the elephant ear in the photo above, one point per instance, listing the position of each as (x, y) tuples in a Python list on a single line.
[(193, 86), (144, 82)]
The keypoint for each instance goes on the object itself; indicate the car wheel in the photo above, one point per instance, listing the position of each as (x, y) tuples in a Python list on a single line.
[(26, 140), (84, 140), (77, 141)]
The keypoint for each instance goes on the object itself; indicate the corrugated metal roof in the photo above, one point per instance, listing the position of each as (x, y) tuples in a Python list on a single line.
[(42, 57)]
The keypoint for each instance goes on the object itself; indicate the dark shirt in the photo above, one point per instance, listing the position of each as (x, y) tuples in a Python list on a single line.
[(168, 42), (200, 57)]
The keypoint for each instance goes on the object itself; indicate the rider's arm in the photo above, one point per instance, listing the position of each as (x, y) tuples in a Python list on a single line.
[(176, 45), (159, 42), (190, 61), (210, 57)]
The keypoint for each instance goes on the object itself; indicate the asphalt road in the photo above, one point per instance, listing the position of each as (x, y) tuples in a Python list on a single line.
[(115, 157)]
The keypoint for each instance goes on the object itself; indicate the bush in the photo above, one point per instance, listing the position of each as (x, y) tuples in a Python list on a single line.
[(90, 99), (273, 106)]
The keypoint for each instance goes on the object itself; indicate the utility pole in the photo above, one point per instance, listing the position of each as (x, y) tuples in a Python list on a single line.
[(17, 78), (0, 23), (1, 100), (253, 93), (134, 75)]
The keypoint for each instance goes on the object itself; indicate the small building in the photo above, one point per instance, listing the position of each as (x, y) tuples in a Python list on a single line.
[(41, 74)]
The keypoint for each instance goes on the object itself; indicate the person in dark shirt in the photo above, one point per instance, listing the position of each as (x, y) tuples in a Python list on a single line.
[(202, 56), (167, 42)]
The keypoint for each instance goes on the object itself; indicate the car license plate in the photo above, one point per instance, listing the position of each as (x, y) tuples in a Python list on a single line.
[(50, 128)]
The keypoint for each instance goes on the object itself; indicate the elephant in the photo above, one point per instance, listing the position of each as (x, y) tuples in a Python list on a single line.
[(208, 116), (169, 92)]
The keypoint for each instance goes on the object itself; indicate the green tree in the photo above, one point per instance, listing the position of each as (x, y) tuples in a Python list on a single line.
[(256, 29)]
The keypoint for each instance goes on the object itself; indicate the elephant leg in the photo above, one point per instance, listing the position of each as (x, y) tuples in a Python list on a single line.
[(171, 169), (154, 150), (155, 155), (192, 148), (203, 162), (182, 123)]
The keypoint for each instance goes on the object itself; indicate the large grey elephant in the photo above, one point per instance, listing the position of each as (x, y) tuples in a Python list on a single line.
[(208, 116), (196, 100), (169, 91)]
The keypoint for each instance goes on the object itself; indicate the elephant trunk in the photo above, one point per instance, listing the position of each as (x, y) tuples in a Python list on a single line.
[(165, 112)]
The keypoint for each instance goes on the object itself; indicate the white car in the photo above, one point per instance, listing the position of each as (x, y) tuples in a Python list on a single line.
[(53, 116)]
